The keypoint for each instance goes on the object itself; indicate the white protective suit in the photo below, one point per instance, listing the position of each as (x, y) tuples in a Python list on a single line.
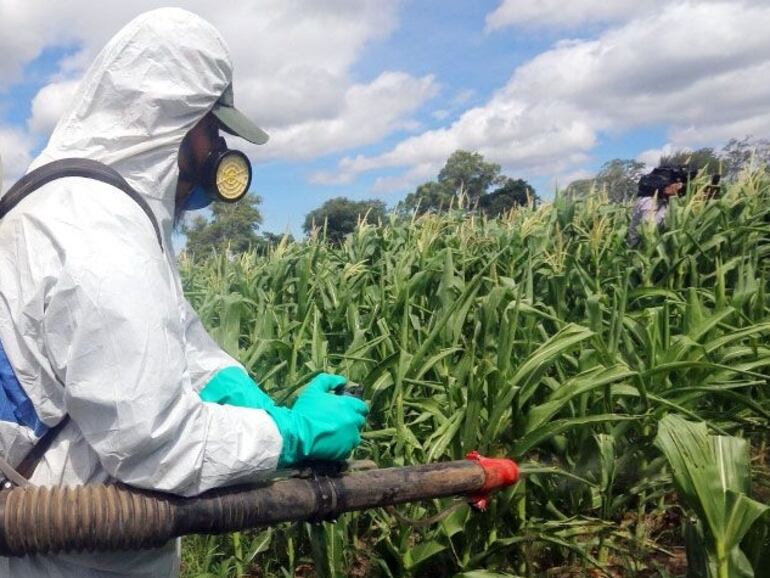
[(92, 316), (646, 210)]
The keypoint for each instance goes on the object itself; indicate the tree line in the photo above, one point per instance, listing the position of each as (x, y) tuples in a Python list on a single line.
[(619, 177), (466, 182)]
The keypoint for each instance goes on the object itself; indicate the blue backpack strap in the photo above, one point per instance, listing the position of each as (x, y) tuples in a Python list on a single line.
[(73, 167), (16, 407)]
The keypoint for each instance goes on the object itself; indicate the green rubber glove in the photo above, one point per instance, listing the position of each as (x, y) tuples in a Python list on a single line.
[(321, 425), (233, 386)]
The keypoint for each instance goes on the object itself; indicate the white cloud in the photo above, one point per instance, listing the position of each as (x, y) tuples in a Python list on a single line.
[(463, 96), (536, 138), (408, 180), (292, 62), (49, 104), (367, 113), (560, 14), (29, 26), (292, 59), (698, 68), (14, 151), (456, 105), (651, 157)]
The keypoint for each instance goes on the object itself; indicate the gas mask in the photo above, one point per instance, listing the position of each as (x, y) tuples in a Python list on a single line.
[(225, 176)]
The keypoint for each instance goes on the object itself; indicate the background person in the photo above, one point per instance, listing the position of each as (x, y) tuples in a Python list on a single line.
[(655, 191)]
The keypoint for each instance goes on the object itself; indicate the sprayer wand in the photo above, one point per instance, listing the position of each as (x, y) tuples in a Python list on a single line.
[(37, 520)]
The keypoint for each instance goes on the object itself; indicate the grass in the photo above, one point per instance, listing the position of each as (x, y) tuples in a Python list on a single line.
[(541, 336)]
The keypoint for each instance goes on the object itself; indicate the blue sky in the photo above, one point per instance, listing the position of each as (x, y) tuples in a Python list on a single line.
[(367, 98)]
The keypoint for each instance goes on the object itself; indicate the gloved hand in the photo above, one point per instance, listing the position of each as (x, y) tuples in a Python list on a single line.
[(321, 425), (233, 386)]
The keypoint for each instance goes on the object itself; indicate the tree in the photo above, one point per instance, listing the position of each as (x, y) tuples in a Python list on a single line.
[(341, 216), (512, 192), (703, 158), (465, 174), (468, 174), (619, 177), (267, 240), (231, 226), (580, 188), (430, 197), (738, 153), (273, 239)]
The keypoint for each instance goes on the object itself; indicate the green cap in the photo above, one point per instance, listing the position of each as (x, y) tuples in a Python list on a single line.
[(234, 121)]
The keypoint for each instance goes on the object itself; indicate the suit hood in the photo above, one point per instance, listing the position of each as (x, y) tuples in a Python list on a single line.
[(152, 82)]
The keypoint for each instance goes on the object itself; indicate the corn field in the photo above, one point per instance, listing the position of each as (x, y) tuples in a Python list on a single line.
[(543, 337)]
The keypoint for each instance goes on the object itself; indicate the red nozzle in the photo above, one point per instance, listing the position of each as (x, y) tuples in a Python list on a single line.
[(500, 473)]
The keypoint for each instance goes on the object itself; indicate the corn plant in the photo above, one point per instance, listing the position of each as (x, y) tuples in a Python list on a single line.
[(711, 474), (541, 336)]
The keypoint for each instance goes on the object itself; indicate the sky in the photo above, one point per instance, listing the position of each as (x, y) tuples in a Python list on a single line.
[(368, 98)]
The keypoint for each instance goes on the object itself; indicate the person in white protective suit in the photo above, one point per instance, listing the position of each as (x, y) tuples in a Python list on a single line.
[(93, 322)]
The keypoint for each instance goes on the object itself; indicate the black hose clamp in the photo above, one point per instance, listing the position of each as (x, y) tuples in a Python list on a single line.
[(325, 491)]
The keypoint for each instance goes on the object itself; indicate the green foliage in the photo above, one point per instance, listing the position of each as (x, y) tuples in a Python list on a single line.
[(712, 476), (701, 159), (339, 217), (746, 152), (469, 175), (511, 193), (232, 226), (465, 181), (539, 335), (430, 197), (618, 178)]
